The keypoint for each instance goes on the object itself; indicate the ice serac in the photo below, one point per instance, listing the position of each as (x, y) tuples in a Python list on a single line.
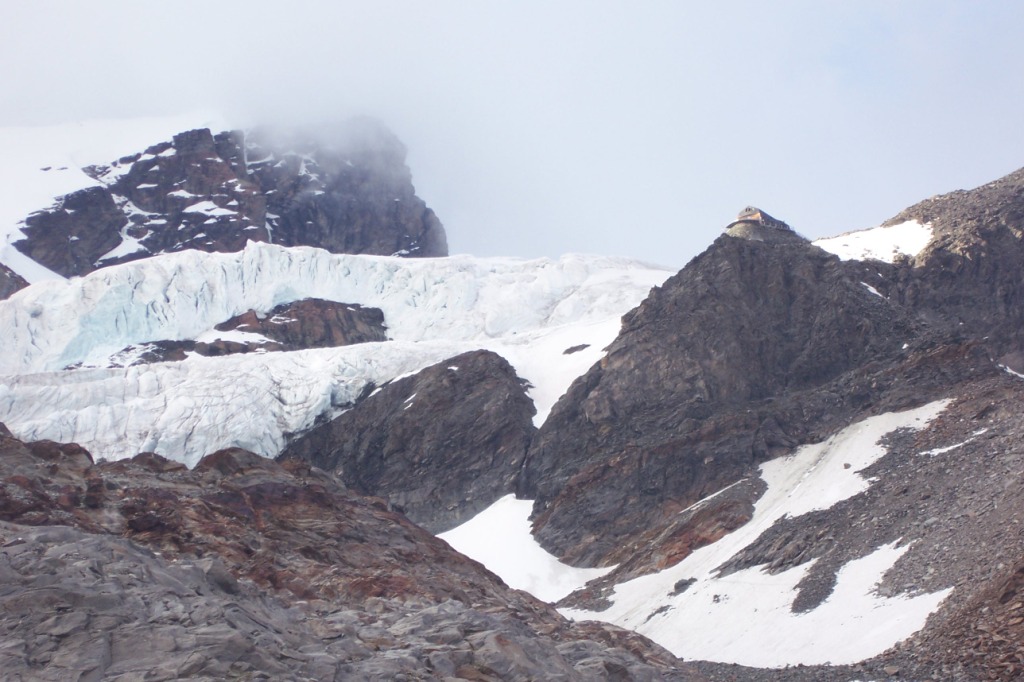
[(347, 190), (243, 568), (527, 311), (440, 445), (689, 397)]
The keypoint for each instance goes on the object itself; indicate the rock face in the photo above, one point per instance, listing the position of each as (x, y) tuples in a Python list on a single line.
[(441, 445), (308, 323), (73, 235), (10, 282), (684, 403), (968, 277), (346, 190), (313, 323), (244, 568), (349, 194)]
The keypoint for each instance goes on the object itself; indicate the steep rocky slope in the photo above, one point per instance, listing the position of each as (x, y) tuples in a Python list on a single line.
[(441, 445), (687, 399), (10, 282), (347, 190), (969, 275), (243, 568), (755, 347)]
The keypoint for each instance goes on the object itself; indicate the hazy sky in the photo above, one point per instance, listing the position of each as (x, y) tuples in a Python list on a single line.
[(540, 128)]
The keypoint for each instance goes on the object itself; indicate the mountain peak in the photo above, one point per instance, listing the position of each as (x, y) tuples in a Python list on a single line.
[(345, 189)]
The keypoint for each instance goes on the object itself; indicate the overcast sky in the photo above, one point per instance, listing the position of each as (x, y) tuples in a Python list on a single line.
[(541, 128)]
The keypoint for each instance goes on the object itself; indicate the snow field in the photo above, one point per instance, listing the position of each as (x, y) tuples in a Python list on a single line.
[(746, 617), (880, 243)]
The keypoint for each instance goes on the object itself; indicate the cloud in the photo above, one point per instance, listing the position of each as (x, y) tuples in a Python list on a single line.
[(536, 128)]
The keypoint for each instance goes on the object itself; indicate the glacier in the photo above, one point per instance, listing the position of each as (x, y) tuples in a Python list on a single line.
[(55, 382)]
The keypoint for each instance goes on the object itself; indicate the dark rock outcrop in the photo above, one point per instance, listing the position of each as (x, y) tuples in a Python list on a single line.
[(349, 192), (307, 323), (346, 190), (245, 568), (685, 402), (10, 281), (441, 445), (968, 277), (313, 323), (73, 235)]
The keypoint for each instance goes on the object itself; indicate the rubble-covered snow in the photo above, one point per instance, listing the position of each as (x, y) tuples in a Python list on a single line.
[(527, 311), (746, 617), (880, 243)]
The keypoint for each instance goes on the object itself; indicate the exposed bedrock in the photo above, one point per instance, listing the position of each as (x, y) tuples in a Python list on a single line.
[(440, 445)]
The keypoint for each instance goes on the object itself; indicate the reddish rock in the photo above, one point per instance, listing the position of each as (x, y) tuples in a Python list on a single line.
[(313, 323), (244, 567)]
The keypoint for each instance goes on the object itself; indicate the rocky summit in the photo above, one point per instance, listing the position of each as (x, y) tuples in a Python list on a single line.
[(215, 192), (787, 461)]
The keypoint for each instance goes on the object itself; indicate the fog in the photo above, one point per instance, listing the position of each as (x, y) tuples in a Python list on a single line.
[(541, 128)]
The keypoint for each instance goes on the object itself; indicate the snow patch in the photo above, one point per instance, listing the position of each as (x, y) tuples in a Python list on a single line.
[(499, 538), (128, 246), (746, 617), (880, 243), (872, 289), (208, 208), (1011, 372)]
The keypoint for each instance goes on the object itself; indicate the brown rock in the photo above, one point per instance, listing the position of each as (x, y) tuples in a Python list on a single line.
[(245, 568), (313, 323), (10, 282)]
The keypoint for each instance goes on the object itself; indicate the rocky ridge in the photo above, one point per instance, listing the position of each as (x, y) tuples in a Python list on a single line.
[(715, 372), (347, 190), (968, 276), (758, 346)]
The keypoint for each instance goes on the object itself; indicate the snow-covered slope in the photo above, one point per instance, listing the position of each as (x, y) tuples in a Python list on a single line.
[(500, 537), (746, 617), (528, 311), (40, 163), (880, 243)]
